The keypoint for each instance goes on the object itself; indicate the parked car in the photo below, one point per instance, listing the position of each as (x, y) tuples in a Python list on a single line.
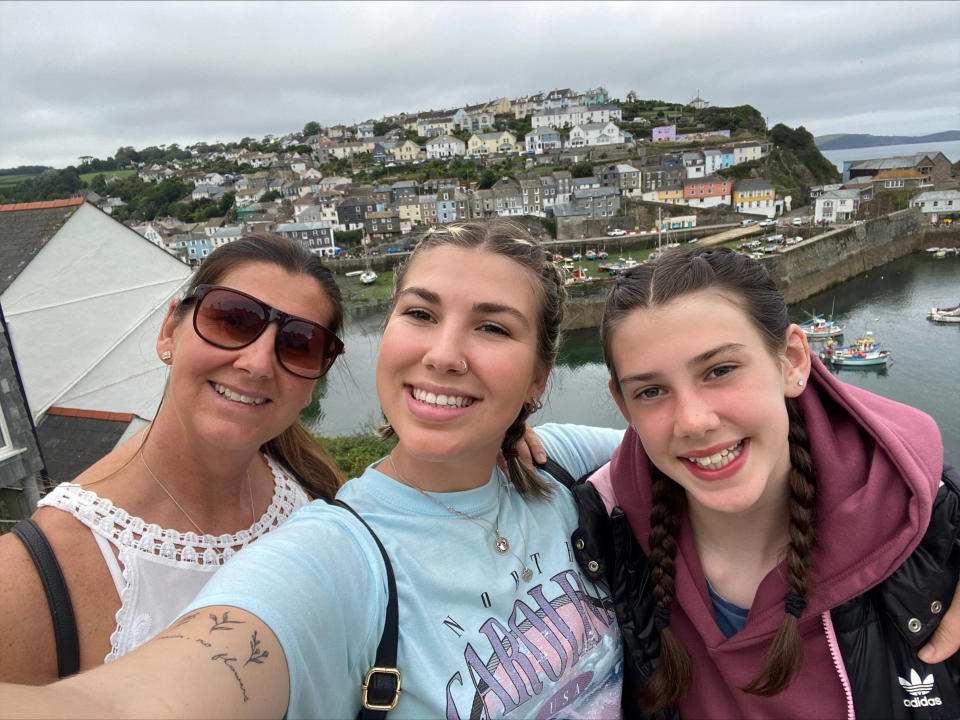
[(768, 222), (616, 232), (797, 221), (747, 222), (393, 250)]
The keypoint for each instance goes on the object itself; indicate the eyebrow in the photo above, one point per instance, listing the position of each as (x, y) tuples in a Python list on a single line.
[(484, 308), (692, 362)]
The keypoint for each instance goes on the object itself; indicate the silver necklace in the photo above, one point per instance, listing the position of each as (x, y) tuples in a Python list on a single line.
[(500, 543), (186, 514)]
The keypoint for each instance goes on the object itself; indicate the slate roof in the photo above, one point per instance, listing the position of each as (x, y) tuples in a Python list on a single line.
[(73, 440), (25, 228)]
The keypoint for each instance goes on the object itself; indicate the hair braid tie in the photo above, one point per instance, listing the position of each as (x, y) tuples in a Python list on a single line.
[(795, 604), (661, 617)]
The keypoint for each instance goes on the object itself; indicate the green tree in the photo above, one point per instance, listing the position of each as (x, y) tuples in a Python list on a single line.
[(581, 169), (382, 128), (269, 196), (312, 128), (99, 184), (487, 178)]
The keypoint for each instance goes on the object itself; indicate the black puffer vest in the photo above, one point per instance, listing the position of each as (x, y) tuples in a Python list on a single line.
[(879, 632)]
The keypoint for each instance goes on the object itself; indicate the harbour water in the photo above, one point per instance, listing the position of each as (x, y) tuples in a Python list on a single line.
[(891, 302), (950, 149)]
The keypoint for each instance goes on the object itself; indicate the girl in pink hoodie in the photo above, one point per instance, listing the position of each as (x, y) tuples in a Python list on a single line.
[(781, 515)]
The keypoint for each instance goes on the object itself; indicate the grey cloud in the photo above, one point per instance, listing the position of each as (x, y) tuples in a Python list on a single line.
[(86, 78)]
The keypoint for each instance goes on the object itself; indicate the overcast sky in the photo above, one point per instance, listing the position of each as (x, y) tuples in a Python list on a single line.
[(84, 78)]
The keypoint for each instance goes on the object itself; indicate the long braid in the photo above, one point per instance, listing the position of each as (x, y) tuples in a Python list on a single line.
[(674, 674), (785, 655)]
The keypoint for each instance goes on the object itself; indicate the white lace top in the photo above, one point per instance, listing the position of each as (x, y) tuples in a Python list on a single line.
[(160, 570)]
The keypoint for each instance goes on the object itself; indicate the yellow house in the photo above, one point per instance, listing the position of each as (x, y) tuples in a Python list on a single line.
[(491, 143), (748, 192), (499, 107), (407, 151), (409, 209), (672, 194)]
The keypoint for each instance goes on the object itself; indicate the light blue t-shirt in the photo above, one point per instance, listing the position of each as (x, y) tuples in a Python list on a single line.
[(476, 640)]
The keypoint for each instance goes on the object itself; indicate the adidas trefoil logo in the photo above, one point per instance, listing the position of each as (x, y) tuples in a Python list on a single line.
[(919, 688)]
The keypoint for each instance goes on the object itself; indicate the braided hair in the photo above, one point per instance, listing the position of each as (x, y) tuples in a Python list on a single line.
[(674, 275), (513, 241)]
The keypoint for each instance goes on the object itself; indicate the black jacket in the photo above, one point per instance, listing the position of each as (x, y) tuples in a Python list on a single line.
[(878, 633)]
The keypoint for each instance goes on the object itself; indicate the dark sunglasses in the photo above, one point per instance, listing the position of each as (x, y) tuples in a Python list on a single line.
[(230, 319)]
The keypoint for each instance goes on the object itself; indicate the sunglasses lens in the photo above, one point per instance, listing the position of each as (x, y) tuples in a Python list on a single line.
[(228, 319), (307, 349)]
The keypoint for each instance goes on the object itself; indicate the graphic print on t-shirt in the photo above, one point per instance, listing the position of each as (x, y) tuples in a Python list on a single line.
[(556, 654)]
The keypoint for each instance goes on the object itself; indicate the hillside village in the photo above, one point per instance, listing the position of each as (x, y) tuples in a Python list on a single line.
[(560, 156)]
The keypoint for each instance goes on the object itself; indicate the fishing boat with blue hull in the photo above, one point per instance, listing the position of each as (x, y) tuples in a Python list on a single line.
[(865, 353), (819, 328)]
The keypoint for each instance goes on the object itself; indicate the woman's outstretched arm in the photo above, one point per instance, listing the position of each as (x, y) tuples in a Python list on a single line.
[(213, 662)]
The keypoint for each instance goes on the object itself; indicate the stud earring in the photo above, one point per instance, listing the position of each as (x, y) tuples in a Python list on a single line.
[(166, 355), (800, 382)]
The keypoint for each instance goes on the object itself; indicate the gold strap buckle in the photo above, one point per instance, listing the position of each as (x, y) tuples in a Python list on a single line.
[(366, 686)]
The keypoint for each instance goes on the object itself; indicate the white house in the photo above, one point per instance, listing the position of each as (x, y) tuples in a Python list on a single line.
[(571, 115), (837, 206), (83, 303), (591, 134), (936, 205), (445, 146)]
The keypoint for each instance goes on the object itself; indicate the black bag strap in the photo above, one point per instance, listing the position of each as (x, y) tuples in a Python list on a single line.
[(562, 475), (381, 686), (58, 596), (559, 472)]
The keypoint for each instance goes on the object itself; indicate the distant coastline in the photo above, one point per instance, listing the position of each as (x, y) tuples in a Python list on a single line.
[(845, 141)]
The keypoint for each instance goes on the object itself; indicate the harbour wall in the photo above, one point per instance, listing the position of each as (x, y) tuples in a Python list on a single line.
[(813, 265), (838, 255)]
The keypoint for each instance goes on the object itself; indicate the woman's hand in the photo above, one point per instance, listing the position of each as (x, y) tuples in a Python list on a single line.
[(529, 450), (945, 641)]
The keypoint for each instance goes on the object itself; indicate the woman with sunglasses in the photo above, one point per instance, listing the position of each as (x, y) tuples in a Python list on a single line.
[(141, 531)]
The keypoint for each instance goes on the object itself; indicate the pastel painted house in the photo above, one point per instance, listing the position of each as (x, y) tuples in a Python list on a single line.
[(754, 196), (664, 133), (481, 144), (543, 139), (706, 192)]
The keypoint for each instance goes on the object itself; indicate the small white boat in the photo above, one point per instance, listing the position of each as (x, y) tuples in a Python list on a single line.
[(368, 277), (818, 328), (945, 315), (353, 273)]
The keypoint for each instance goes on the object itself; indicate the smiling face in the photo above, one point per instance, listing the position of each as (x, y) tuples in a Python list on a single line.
[(706, 398), (235, 399), (459, 306)]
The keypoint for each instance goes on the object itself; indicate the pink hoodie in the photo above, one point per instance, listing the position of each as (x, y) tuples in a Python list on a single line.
[(878, 465)]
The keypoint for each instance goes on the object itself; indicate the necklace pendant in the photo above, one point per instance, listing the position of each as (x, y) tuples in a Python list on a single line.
[(501, 544), (527, 574)]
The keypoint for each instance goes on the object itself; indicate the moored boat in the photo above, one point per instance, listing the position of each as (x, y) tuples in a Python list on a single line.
[(368, 277), (865, 353), (945, 315), (818, 328), (590, 254)]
